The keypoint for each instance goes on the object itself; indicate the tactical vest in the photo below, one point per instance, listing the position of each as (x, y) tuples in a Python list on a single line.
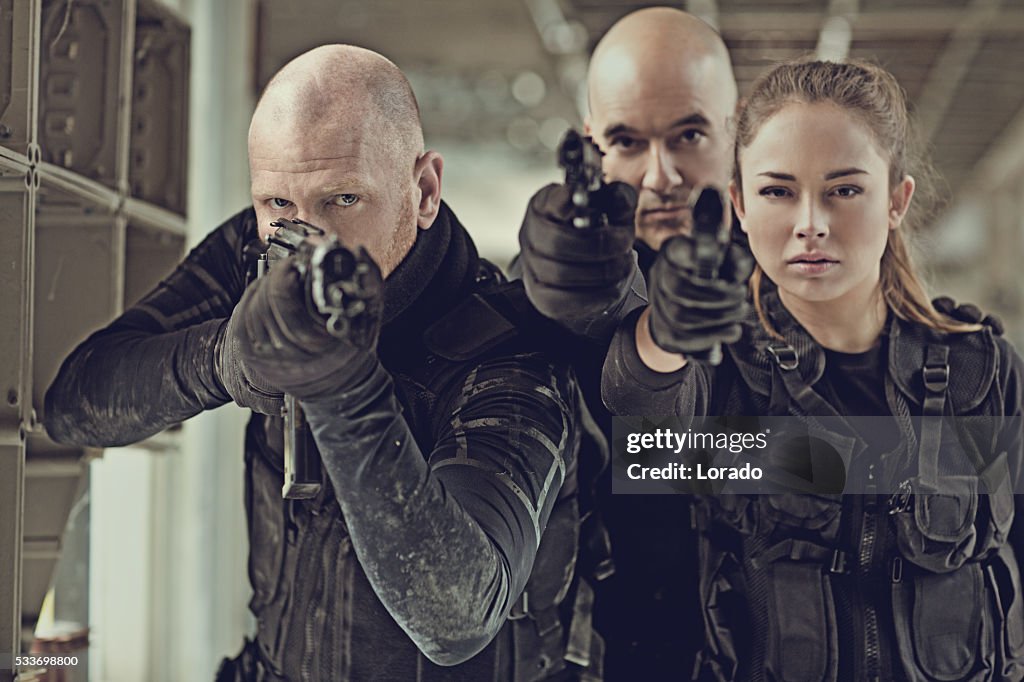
[(918, 586), (316, 609)]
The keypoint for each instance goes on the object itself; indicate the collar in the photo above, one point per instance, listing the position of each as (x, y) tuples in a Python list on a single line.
[(439, 270)]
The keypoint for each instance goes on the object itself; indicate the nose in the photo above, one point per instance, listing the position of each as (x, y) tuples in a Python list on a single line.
[(811, 220), (660, 173)]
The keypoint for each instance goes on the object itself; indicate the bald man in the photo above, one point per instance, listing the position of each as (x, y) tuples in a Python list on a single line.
[(444, 533), (661, 98)]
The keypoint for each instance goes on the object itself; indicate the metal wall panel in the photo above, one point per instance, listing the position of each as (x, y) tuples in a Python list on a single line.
[(17, 194), (19, 61), (79, 82), (159, 117)]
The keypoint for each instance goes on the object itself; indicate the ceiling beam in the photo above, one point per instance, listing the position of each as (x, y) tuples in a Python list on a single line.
[(565, 42), (898, 22), (949, 70), (837, 31)]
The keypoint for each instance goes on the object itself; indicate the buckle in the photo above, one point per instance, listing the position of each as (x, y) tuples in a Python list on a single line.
[(838, 562), (936, 379), (899, 501), (897, 569), (785, 355)]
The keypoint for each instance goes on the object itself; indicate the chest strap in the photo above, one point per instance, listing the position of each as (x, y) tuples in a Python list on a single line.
[(935, 375)]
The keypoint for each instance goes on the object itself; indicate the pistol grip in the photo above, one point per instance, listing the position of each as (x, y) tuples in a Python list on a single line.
[(301, 465)]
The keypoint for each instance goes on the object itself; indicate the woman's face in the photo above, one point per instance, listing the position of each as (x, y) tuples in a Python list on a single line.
[(816, 203)]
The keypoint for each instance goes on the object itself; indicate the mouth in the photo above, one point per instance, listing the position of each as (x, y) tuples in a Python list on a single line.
[(662, 211), (812, 263)]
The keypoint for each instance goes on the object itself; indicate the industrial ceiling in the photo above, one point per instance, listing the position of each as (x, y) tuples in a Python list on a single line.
[(512, 70)]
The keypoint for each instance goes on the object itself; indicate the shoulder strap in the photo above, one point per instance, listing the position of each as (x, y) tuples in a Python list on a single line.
[(935, 375)]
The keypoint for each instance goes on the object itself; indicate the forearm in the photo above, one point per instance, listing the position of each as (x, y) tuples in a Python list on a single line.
[(156, 364), (439, 547), (590, 323), (631, 386), (122, 384)]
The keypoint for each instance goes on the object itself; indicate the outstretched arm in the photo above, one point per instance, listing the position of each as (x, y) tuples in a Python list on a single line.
[(161, 361), (448, 541)]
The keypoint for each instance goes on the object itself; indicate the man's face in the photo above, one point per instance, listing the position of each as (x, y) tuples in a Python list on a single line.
[(339, 178), (664, 131)]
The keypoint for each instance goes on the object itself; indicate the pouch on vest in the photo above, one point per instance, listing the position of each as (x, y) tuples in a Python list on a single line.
[(969, 518), (1003, 575), (803, 642), (725, 616), (940, 640)]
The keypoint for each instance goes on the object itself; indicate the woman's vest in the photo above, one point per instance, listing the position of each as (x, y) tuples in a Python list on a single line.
[(921, 585)]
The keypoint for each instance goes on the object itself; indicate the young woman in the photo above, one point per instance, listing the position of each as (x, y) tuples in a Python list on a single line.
[(919, 585)]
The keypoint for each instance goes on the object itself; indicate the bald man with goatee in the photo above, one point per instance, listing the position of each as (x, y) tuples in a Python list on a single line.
[(441, 543), (661, 99)]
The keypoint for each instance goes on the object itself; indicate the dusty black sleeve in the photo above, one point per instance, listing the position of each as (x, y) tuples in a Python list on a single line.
[(629, 387), (599, 327), (154, 366), (448, 538)]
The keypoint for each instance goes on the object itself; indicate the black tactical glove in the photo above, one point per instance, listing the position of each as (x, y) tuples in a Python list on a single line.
[(967, 312), (246, 387), (282, 338), (575, 273), (690, 315)]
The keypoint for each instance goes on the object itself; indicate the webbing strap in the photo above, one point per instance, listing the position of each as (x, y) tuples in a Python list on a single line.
[(936, 382)]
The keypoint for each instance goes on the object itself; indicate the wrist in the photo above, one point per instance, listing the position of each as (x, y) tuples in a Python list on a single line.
[(652, 355), (338, 379)]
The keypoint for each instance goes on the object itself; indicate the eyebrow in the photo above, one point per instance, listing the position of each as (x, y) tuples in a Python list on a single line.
[(831, 175), (351, 186), (692, 119)]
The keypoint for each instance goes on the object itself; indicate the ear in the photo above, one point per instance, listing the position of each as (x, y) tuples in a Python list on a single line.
[(427, 173), (899, 202), (737, 203)]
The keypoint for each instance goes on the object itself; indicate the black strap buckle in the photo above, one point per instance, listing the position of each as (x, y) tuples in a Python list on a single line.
[(897, 569), (936, 369), (838, 562), (785, 355), (936, 379)]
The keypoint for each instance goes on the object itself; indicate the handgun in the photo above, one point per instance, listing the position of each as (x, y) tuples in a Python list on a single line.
[(337, 283), (581, 160), (711, 239)]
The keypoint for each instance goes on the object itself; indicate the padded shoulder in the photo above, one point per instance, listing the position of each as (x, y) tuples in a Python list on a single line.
[(973, 358), (481, 323)]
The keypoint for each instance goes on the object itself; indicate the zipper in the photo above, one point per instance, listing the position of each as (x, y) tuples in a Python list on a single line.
[(869, 535), (315, 612)]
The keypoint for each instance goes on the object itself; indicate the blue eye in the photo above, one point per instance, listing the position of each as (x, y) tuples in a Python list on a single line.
[(345, 199), (278, 202)]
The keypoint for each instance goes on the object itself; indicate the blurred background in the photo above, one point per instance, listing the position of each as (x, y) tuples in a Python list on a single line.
[(122, 125)]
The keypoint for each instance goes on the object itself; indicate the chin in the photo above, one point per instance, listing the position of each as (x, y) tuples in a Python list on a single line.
[(813, 290)]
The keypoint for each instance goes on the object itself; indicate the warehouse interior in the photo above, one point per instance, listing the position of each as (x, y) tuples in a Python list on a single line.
[(123, 143)]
